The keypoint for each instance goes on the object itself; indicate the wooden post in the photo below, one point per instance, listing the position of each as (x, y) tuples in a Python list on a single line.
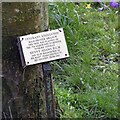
[(48, 90), (22, 89)]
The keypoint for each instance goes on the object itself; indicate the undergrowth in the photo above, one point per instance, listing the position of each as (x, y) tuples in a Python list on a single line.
[(86, 84)]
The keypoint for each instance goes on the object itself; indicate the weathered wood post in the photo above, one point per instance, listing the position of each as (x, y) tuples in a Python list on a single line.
[(23, 90)]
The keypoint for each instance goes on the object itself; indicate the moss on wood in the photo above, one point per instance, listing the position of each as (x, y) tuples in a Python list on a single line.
[(24, 87)]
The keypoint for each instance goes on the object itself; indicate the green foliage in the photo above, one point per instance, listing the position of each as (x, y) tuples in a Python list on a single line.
[(86, 84)]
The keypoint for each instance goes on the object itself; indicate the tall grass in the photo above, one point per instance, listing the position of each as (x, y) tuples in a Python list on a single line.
[(86, 84)]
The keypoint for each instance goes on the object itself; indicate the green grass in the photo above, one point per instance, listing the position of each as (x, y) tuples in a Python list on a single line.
[(86, 84)]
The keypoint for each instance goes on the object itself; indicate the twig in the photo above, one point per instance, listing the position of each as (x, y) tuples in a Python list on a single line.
[(10, 113)]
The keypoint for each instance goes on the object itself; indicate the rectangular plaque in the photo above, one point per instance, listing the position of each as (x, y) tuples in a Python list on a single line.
[(42, 47)]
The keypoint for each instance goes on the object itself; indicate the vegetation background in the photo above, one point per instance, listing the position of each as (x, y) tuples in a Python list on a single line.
[(86, 84)]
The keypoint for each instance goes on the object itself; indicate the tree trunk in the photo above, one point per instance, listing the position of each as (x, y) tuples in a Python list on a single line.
[(23, 90)]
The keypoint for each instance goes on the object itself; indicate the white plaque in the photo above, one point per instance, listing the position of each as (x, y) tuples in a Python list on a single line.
[(43, 47)]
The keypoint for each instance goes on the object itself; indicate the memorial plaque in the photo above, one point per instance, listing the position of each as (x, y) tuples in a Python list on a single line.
[(42, 47)]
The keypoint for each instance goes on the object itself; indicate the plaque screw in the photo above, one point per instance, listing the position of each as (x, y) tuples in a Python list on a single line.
[(65, 54), (59, 30), (27, 62)]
